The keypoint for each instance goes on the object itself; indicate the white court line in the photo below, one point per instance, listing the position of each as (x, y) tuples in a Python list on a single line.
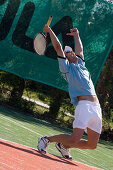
[(93, 158), (110, 157), (20, 124)]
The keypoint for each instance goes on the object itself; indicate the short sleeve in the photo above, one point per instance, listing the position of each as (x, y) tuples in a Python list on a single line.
[(63, 65)]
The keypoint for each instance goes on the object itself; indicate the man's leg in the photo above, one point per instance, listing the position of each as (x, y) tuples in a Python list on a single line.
[(75, 141), (64, 141), (91, 143), (68, 140)]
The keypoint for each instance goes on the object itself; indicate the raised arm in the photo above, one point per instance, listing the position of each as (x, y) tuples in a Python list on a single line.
[(55, 41), (78, 44)]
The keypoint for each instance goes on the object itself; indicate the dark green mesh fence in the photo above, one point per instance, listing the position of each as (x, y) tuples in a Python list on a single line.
[(21, 20)]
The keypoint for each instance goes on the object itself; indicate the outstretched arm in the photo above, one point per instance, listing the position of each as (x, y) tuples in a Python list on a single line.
[(55, 41), (63, 65), (78, 44)]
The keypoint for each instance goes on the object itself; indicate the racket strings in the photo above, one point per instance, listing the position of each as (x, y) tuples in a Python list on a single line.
[(40, 44)]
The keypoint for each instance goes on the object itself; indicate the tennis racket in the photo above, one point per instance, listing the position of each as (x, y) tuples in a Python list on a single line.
[(39, 42)]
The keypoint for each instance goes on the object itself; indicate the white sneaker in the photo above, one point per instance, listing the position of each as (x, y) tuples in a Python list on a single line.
[(65, 152), (43, 144)]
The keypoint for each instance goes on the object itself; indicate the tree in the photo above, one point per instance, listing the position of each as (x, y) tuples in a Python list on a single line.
[(55, 103), (104, 87)]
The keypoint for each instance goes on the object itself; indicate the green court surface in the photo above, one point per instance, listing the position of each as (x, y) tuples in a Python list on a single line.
[(24, 129)]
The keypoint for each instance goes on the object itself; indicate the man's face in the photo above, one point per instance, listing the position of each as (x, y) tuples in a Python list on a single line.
[(72, 58)]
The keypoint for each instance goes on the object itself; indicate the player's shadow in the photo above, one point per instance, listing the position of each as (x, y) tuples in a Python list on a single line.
[(34, 152)]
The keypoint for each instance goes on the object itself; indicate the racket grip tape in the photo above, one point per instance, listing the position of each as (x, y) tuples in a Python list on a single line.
[(49, 21)]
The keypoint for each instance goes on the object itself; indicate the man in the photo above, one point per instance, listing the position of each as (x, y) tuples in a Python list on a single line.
[(82, 93)]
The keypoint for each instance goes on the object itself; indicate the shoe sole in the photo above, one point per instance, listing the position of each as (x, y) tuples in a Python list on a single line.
[(61, 152), (42, 151)]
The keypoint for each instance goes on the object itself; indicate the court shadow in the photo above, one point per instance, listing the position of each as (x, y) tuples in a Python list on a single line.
[(36, 153)]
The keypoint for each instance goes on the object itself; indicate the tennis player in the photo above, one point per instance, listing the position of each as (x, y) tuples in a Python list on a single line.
[(88, 116)]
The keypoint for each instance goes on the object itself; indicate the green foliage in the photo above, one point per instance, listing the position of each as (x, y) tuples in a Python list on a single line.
[(67, 106), (11, 87), (7, 79), (104, 88), (37, 94), (65, 120)]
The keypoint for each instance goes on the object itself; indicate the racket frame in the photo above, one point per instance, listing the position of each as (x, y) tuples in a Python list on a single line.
[(48, 23)]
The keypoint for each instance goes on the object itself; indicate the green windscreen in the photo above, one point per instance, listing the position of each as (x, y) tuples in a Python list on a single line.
[(21, 20)]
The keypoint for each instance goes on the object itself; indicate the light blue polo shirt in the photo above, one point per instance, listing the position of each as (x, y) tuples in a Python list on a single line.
[(78, 78)]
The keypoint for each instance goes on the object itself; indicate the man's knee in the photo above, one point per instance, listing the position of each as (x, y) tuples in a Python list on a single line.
[(93, 138), (92, 146)]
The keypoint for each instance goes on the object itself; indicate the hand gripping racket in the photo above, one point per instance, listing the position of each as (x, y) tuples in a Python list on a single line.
[(39, 42)]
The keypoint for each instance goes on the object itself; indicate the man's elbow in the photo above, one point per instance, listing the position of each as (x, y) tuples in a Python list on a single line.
[(80, 54)]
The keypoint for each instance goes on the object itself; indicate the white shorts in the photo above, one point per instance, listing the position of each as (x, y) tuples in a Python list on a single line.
[(88, 115)]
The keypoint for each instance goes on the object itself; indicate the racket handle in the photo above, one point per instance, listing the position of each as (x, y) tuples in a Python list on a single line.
[(49, 21)]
